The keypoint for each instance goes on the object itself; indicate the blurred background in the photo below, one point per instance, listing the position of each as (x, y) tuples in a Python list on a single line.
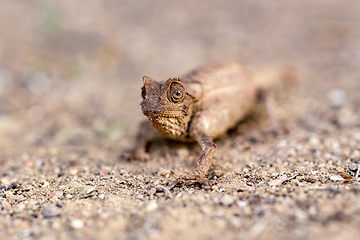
[(70, 79), (70, 71)]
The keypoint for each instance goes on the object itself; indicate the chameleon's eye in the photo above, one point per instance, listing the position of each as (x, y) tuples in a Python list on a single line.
[(143, 92), (177, 93)]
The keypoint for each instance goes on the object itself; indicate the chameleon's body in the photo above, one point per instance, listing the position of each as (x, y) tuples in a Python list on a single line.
[(198, 107)]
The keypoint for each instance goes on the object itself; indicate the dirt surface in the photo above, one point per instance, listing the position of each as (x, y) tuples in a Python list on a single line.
[(70, 78)]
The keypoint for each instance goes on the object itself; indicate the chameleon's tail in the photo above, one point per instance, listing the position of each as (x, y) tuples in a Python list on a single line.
[(273, 76)]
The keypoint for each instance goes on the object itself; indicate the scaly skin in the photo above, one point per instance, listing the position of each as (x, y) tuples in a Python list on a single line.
[(198, 107)]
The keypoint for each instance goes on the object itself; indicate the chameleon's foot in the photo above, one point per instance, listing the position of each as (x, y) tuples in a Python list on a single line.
[(197, 178), (136, 155)]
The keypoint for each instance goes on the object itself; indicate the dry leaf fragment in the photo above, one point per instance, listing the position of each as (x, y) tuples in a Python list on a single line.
[(345, 175)]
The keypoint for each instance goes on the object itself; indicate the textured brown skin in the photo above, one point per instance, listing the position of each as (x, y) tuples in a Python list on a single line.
[(200, 106)]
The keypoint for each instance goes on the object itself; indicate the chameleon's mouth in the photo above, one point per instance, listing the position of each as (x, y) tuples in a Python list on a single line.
[(155, 114), (155, 111)]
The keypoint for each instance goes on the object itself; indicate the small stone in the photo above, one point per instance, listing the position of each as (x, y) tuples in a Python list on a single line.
[(8, 194), (292, 152), (152, 191), (152, 206), (355, 154), (168, 194), (226, 200), (183, 152), (58, 194), (73, 171), (51, 211), (46, 184), (5, 204), (337, 97), (30, 164), (206, 210), (283, 143), (160, 194), (2, 187), (77, 224), (101, 196), (70, 191), (241, 203), (69, 196), (314, 141), (90, 190), (39, 163), (20, 207)]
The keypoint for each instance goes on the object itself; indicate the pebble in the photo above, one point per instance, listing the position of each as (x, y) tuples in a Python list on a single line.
[(227, 200), (39, 162), (9, 195), (51, 211), (241, 203), (215, 188), (314, 141), (5, 181), (90, 190), (73, 171), (69, 196), (337, 97), (58, 194), (151, 207), (46, 184), (5, 204), (183, 152), (151, 191), (30, 164), (168, 194), (77, 224), (101, 196)]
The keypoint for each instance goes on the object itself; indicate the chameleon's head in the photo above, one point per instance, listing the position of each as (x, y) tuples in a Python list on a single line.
[(167, 99)]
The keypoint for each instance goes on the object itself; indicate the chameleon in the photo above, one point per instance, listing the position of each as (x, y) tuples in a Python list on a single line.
[(201, 106)]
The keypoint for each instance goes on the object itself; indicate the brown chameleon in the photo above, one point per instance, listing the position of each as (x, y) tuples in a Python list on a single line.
[(201, 106)]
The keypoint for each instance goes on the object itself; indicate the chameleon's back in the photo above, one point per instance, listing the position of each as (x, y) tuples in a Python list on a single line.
[(226, 93)]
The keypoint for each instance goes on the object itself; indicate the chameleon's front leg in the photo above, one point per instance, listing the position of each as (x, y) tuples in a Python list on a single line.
[(205, 160), (146, 132)]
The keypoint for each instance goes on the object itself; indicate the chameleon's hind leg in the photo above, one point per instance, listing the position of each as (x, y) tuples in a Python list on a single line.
[(267, 100)]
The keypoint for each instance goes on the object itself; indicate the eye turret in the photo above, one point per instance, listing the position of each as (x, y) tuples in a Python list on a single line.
[(176, 93)]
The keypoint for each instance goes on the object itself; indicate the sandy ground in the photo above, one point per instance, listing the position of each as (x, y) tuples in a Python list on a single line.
[(70, 78)]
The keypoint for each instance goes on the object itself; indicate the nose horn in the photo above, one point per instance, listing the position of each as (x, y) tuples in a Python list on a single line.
[(148, 82)]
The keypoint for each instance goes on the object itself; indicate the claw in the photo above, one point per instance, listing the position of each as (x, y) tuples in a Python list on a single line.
[(197, 178)]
